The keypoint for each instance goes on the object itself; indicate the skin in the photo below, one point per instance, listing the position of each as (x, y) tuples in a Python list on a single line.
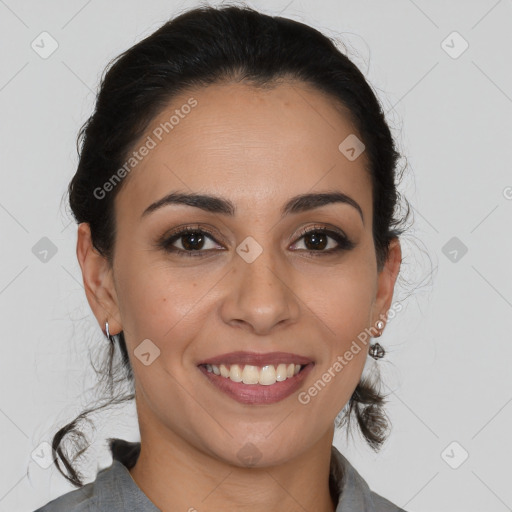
[(257, 148)]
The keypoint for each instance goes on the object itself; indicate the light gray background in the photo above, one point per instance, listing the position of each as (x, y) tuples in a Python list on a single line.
[(448, 350)]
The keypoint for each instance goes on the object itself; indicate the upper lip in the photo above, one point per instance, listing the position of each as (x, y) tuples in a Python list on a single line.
[(257, 359)]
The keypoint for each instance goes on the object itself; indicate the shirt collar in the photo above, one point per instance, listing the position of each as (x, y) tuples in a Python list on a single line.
[(353, 491)]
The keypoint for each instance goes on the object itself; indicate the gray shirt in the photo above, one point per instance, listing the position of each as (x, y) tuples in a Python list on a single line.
[(114, 490)]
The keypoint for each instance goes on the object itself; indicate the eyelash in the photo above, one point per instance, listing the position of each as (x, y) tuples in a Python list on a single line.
[(344, 244)]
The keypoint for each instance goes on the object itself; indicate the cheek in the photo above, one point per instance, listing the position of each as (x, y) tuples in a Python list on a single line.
[(155, 302), (343, 299), (344, 309)]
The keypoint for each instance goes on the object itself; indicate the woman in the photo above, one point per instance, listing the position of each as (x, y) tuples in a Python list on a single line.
[(235, 200)]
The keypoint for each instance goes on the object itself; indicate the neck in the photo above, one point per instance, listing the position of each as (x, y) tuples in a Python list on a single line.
[(176, 476)]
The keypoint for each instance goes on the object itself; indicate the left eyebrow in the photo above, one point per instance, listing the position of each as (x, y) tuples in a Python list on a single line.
[(219, 205)]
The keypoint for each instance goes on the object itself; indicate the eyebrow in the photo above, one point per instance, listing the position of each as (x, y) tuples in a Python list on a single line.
[(219, 205)]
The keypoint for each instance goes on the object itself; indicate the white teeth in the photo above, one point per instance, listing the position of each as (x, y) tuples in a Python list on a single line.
[(281, 372), (250, 374), (267, 375), (235, 373)]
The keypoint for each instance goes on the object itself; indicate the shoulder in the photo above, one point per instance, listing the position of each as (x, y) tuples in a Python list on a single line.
[(95, 496), (354, 492), (114, 490)]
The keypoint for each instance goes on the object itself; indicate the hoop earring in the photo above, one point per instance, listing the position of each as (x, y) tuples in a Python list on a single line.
[(376, 351), (109, 336)]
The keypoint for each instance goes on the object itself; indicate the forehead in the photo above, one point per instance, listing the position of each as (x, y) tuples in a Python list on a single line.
[(254, 146)]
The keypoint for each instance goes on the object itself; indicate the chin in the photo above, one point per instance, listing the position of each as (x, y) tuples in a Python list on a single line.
[(260, 450)]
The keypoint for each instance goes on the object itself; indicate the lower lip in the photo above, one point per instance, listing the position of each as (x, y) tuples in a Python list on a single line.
[(257, 393)]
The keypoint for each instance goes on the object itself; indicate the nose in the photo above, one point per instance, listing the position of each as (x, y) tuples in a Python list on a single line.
[(260, 295)]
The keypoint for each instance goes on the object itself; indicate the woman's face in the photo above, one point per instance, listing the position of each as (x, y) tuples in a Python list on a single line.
[(251, 281)]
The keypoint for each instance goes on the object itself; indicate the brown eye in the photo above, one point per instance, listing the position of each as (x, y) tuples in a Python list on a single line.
[(317, 240), (192, 241)]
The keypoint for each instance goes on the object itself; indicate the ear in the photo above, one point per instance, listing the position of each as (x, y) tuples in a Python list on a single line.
[(386, 281), (98, 281)]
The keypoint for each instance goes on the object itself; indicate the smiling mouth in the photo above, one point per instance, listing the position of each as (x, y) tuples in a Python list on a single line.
[(266, 375), (256, 385)]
